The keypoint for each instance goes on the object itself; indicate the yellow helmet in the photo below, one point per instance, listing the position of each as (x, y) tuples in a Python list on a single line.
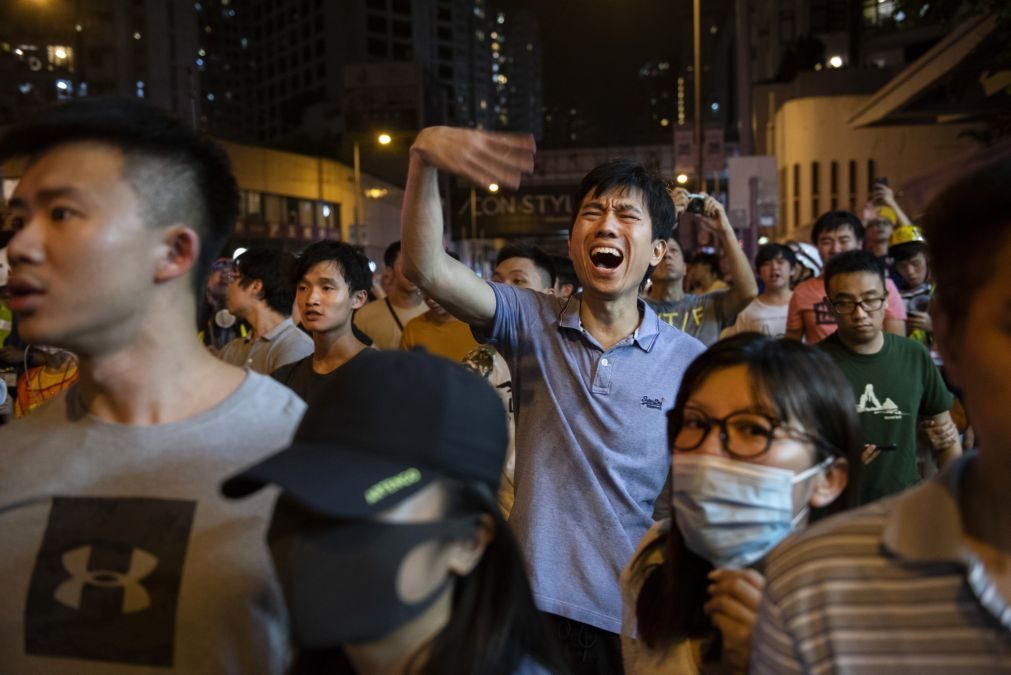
[(889, 214), (906, 234)]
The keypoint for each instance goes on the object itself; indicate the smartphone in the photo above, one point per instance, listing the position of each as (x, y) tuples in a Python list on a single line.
[(881, 180)]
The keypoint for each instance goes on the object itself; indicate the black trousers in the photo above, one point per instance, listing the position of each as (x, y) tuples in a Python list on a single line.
[(586, 649)]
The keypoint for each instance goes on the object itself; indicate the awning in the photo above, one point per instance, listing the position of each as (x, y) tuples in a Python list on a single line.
[(925, 71)]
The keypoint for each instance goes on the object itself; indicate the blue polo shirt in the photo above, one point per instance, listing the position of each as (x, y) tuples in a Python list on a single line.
[(591, 444)]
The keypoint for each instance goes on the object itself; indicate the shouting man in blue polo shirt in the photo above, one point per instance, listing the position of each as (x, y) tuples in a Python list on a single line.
[(592, 375)]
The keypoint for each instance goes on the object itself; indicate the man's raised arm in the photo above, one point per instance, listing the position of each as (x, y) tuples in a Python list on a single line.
[(482, 158)]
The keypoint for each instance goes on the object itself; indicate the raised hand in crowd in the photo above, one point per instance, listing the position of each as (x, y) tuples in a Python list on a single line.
[(884, 195), (482, 157)]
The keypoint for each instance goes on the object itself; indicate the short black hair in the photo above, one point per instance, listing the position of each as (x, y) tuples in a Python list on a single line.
[(908, 250), (967, 226), (537, 256), (768, 252), (710, 260), (179, 176), (273, 269), (391, 253), (853, 261), (623, 175), (835, 220), (352, 264), (565, 271)]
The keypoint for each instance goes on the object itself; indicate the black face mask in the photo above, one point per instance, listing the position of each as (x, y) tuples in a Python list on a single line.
[(340, 577)]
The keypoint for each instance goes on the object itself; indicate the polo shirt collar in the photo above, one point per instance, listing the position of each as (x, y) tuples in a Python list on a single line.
[(934, 504), (644, 336)]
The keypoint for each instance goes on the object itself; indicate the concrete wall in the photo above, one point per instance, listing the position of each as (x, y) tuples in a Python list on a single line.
[(815, 130)]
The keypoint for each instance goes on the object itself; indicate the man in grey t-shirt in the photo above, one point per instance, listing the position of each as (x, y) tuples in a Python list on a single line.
[(261, 293), (702, 316), (118, 555)]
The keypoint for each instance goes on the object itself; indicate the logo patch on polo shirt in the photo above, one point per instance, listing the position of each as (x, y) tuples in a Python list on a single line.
[(106, 580), (652, 403)]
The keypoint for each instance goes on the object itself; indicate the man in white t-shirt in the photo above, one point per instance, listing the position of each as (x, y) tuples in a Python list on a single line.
[(767, 313)]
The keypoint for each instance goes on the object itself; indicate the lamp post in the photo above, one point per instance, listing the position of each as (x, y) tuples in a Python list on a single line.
[(697, 43), (359, 213)]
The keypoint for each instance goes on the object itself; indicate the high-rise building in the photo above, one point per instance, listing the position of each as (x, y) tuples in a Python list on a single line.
[(65, 48), (226, 62), (789, 36), (517, 73)]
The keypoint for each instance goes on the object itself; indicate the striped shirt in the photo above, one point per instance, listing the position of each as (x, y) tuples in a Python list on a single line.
[(889, 588)]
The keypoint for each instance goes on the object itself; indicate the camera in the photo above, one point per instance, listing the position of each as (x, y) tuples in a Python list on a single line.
[(920, 303), (696, 204)]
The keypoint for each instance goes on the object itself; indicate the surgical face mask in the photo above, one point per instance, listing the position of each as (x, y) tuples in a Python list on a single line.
[(340, 578), (733, 513)]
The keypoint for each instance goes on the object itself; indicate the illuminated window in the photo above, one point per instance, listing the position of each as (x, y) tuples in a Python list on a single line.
[(60, 56)]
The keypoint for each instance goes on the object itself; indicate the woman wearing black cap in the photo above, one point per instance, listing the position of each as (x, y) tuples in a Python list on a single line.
[(387, 540)]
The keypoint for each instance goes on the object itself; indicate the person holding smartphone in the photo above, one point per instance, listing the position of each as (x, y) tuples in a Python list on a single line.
[(893, 377)]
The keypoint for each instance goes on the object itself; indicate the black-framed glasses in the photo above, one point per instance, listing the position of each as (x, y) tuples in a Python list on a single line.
[(744, 434), (850, 306)]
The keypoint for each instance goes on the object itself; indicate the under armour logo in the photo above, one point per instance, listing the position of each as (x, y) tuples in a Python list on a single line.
[(135, 596)]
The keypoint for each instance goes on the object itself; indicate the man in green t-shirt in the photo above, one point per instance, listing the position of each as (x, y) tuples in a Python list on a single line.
[(893, 377)]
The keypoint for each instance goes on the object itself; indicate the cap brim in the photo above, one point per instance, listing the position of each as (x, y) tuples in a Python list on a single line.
[(334, 481)]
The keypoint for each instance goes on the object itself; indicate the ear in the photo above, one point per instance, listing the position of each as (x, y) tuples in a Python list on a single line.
[(358, 299), (180, 250), (256, 288), (659, 251), (830, 484), (466, 554)]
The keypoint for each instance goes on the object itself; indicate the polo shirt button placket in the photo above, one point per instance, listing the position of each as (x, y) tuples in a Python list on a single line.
[(602, 376)]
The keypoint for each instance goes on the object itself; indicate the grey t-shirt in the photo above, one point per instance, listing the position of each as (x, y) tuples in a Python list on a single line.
[(118, 556), (286, 343), (701, 316)]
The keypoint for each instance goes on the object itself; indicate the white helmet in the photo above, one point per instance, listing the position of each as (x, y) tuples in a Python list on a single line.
[(807, 255)]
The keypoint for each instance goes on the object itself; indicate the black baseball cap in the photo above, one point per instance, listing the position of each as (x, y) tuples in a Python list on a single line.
[(384, 426)]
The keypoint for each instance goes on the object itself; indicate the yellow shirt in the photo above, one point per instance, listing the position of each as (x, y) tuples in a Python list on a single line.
[(451, 338)]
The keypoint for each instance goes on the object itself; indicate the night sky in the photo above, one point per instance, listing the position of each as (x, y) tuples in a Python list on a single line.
[(593, 50)]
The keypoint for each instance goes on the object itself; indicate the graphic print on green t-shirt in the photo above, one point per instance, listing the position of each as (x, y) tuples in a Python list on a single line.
[(894, 389)]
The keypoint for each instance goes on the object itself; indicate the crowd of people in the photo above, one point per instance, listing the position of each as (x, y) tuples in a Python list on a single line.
[(635, 458)]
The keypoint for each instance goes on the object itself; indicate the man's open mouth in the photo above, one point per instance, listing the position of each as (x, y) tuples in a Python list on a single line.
[(606, 257)]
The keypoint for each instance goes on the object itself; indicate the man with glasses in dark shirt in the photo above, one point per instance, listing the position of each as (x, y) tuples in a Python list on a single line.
[(894, 378)]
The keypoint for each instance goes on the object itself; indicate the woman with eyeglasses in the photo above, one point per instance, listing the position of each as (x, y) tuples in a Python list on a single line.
[(764, 435)]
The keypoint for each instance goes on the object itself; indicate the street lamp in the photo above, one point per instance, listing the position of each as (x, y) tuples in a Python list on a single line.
[(383, 139)]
